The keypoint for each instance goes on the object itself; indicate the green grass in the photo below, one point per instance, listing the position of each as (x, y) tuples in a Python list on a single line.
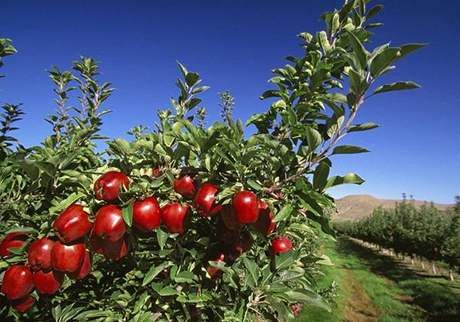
[(389, 291)]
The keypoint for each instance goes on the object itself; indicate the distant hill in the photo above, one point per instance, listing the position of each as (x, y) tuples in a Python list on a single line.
[(354, 207)]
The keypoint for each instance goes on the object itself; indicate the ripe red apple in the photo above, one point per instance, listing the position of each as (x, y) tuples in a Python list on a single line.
[(265, 224), (109, 224), (12, 240), (281, 245), (246, 207), (215, 272), (173, 215), (111, 250), (17, 282), (228, 217), (23, 304), (39, 254), (48, 282), (156, 172), (72, 224), (84, 269), (108, 186), (205, 200), (147, 214), (295, 308), (67, 258), (116, 250), (185, 186)]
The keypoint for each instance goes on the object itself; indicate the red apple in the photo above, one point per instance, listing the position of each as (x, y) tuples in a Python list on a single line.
[(72, 224), (205, 200), (47, 282), (23, 304), (281, 245), (108, 186), (156, 172), (265, 224), (17, 282), (111, 250), (67, 258), (295, 308), (246, 207), (173, 215), (84, 269), (12, 240), (146, 214), (215, 272), (39, 254), (109, 224), (185, 186), (228, 217)]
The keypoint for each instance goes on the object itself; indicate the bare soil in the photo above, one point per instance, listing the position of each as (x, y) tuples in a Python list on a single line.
[(359, 307)]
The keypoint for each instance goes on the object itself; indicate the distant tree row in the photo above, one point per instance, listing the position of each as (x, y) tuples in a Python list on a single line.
[(424, 231)]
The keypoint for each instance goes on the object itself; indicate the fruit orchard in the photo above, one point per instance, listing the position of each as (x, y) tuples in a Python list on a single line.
[(425, 232), (183, 221)]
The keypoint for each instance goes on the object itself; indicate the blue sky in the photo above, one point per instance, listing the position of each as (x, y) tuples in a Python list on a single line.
[(234, 45)]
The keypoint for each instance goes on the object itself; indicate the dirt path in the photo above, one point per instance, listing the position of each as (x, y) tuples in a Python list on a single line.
[(358, 307), (430, 297)]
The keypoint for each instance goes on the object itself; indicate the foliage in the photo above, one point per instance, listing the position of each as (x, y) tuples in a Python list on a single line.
[(286, 162), (425, 231)]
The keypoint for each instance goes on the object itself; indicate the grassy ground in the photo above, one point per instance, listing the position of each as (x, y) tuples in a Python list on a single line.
[(375, 287)]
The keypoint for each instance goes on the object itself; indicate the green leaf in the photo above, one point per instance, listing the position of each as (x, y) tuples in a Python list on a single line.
[(254, 185), (162, 237), (314, 138), (383, 59), (408, 48), (123, 146), (182, 69), (283, 261), (63, 204), (350, 178), (252, 268), (284, 213), (154, 271), (337, 98), (398, 86), (348, 149), (325, 260), (374, 11), (307, 297), (185, 277), (141, 302), (320, 176), (127, 213), (363, 127), (167, 291), (191, 79), (322, 36), (359, 50)]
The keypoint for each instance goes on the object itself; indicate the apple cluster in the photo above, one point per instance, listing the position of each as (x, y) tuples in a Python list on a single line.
[(49, 259)]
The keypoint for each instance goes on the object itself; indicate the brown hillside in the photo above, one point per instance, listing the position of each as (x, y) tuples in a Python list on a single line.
[(358, 206)]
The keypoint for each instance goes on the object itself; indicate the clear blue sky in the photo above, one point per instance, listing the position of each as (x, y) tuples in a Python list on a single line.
[(234, 45)]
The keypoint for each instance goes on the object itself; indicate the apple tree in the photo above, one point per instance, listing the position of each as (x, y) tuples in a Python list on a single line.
[(185, 221)]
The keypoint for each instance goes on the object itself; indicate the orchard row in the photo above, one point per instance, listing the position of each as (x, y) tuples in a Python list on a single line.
[(426, 231), (49, 260)]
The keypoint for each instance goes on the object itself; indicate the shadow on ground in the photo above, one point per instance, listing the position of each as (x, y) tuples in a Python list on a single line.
[(438, 297)]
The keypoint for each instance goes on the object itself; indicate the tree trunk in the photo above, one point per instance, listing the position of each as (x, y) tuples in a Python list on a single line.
[(433, 268), (451, 274), (421, 262)]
